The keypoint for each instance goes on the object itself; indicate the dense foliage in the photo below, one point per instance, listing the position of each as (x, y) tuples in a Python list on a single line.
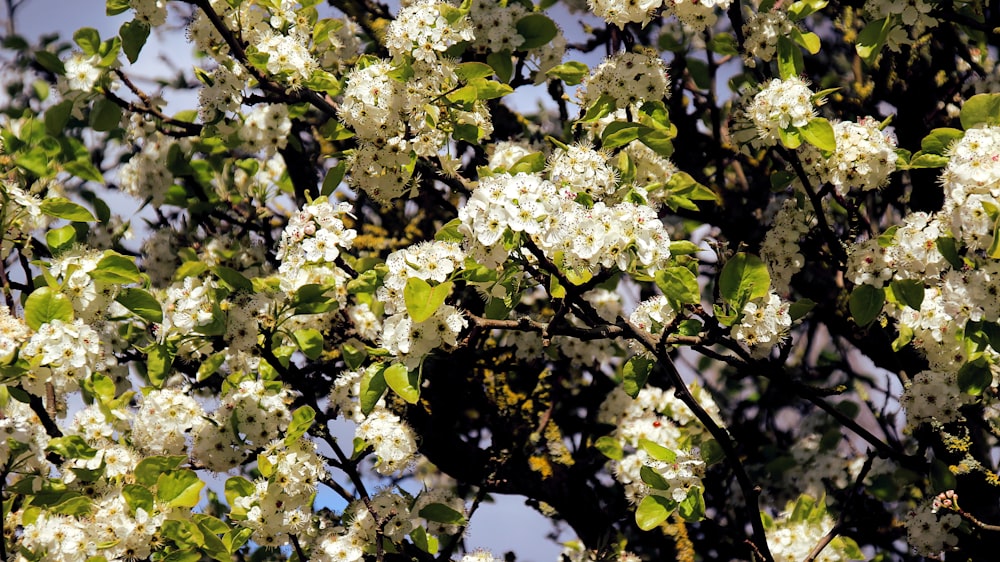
[(732, 292)]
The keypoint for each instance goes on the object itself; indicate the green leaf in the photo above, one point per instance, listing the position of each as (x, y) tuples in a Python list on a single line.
[(502, 65), (333, 178), (599, 109), (872, 38), (183, 532), (866, 304), (679, 285), (819, 133), (406, 383), (237, 487), (653, 479), (743, 279), (948, 247), (442, 513), (83, 169), (302, 419), (159, 360), (537, 30), (449, 231), (49, 61), (354, 353), (471, 70), (88, 39), (529, 164), (790, 138), (186, 555), (654, 114), (105, 115), (572, 73), (149, 469), (921, 160), (134, 34), (942, 478), (723, 44), (310, 341), (684, 248), (490, 89), (609, 447), (800, 308), (211, 365), (790, 62), (141, 303), (659, 140), (802, 8), (423, 541), (909, 292), (57, 117), (373, 386), (711, 451), (658, 452), (313, 299), (981, 109), (115, 7), (46, 304), (234, 279), (116, 268), (423, 300), (886, 238), (619, 133), (78, 506), (974, 377), (938, 140), (652, 511), (635, 373), (138, 497), (808, 40), (993, 251), (62, 208), (71, 447), (693, 507), (60, 239), (179, 488)]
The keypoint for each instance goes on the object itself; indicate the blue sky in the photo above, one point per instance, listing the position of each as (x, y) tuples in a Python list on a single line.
[(506, 524)]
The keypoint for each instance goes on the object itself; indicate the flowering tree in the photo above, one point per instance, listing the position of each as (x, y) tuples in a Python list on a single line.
[(732, 293)]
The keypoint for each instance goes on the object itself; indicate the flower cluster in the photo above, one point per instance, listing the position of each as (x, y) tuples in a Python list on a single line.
[(627, 78), (281, 502), (929, 533), (64, 354), (582, 170), (697, 14), (145, 176), (422, 31), (13, 333), (779, 106), (625, 235), (780, 249), (863, 160), (763, 324), (266, 127), (972, 186), (495, 29), (391, 438), (794, 535), (162, 423), (401, 335), (82, 72), (656, 416), (762, 31), (933, 397)]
